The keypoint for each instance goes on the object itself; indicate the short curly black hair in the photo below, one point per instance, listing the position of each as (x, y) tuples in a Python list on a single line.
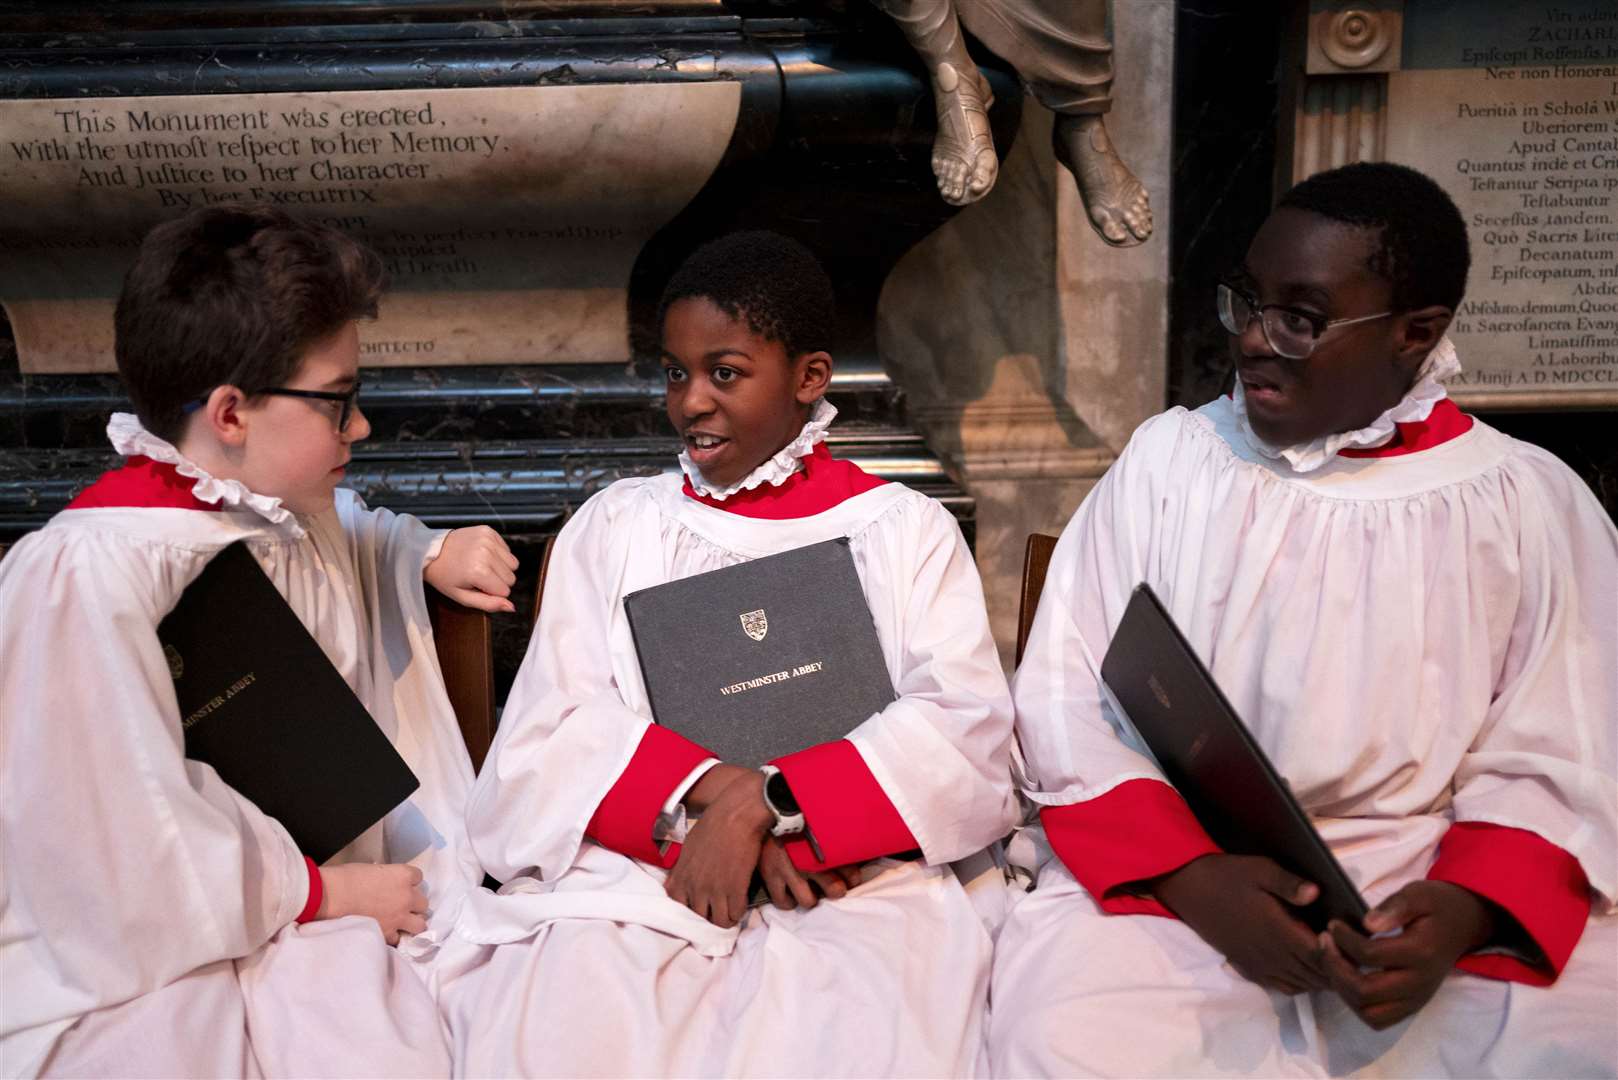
[(771, 280), (1423, 250)]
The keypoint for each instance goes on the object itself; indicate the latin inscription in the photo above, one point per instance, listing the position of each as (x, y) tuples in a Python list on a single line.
[(1516, 114)]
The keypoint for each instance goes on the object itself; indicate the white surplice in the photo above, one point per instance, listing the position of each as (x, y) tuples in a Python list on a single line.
[(1413, 640), (583, 966), (147, 909)]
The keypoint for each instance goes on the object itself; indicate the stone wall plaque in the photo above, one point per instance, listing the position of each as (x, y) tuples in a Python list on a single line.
[(509, 218), (1513, 108)]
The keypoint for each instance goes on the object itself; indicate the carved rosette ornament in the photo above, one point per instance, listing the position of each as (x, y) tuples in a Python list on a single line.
[(1341, 103), (1357, 37)]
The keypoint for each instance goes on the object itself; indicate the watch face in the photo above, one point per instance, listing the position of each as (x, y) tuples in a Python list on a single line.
[(780, 795)]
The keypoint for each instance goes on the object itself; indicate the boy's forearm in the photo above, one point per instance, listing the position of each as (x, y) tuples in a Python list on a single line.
[(713, 783)]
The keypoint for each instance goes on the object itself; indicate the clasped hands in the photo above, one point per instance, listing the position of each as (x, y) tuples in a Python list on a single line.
[(1241, 905), (731, 841)]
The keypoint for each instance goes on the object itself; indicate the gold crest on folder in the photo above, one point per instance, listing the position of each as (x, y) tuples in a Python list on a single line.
[(756, 624)]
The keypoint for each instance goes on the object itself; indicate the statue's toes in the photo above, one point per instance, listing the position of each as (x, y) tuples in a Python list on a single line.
[(952, 177), (1113, 228), (1139, 216), (983, 176)]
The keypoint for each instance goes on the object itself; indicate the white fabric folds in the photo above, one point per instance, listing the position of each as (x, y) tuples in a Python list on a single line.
[(904, 957), (140, 892), (1414, 640)]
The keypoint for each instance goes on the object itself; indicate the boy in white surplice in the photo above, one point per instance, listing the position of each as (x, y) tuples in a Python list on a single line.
[(153, 922), (610, 952), (1417, 616)]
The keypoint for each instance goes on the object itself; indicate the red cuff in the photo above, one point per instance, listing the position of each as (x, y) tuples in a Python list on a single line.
[(317, 891), (845, 809), (1140, 829), (625, 818), (1537, 883)]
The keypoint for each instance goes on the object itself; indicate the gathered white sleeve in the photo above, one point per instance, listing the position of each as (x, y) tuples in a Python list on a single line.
[(566, 734), (942, 750), (1074, 745), (125, 864), (410, 704), (1545, 758)]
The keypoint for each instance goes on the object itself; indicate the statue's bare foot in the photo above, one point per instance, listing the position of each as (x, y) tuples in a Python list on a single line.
[(963, 150), (1120, 211)]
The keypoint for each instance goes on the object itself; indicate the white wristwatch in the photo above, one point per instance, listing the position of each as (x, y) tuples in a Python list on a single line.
[(778, 797)]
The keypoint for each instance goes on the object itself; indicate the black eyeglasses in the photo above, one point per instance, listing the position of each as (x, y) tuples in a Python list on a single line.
[(1290, 332), (349, 399)]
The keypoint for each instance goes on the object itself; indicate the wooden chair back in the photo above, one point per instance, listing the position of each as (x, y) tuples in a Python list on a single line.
[(1036, 559), (539, 588), (465, 644)]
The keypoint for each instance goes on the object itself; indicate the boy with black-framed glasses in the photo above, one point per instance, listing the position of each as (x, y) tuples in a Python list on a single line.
[(152, 920)]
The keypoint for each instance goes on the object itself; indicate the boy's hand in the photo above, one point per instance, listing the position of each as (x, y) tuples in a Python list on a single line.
[(716, 864), (474, 568), (1438, 923), (1239, 905), (790, 887), (389, 893)]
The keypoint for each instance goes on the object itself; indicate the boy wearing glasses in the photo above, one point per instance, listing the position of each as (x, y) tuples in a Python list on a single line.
[(152, 920), (1416, 617)]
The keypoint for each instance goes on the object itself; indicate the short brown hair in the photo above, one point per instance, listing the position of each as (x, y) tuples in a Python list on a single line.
[(233, 295)]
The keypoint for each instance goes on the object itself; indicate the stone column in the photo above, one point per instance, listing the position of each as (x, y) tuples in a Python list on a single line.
[(1030, 350)]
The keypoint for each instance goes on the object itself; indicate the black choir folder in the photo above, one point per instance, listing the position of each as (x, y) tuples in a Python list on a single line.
[(1209, 756), (261, 702), (762, 658)]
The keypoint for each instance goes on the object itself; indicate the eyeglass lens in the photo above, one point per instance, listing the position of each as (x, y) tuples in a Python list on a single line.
[(1290, 335)]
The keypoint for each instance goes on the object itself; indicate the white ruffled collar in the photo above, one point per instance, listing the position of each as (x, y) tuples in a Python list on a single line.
[(1427, 391), (780, 468), (131, 439)]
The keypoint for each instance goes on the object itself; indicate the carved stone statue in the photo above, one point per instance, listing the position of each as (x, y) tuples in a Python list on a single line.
[(1061, 50)]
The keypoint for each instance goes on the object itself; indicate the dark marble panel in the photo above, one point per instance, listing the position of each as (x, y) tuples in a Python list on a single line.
[(1587, 441), (1227, 54), (832, 146)]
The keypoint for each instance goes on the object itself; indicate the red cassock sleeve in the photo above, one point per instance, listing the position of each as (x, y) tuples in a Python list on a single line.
[(317, 892), (845, 809), (1539, 884), (1140, 829), (626, 817)]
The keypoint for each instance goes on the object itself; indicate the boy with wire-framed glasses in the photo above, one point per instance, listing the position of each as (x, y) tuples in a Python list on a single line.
[(1414, 614), (152, 920)]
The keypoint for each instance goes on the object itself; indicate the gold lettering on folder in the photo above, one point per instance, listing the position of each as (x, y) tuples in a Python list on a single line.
[(212, 704), (774, 677)]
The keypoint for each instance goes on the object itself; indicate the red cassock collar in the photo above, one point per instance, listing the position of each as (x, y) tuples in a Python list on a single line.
[(141, 482), (822, 483), (1444, 423)]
